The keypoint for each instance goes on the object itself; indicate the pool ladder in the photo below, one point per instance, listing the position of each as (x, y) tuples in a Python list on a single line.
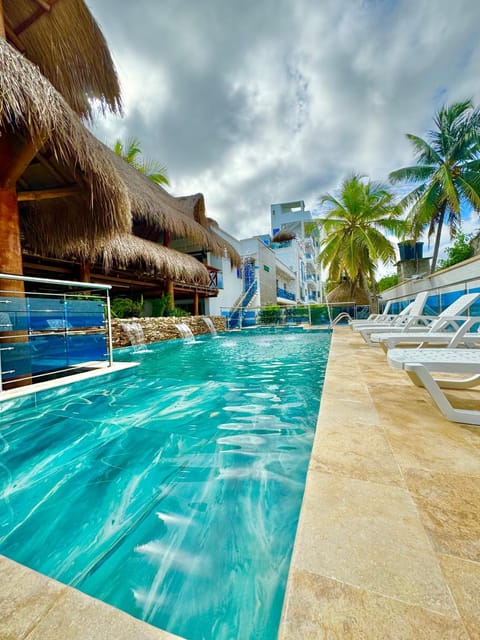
[(341, 316)]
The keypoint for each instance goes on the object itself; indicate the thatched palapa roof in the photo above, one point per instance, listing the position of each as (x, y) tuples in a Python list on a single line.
[(76, 192), (156, 210), (68, 156), (347, 292), (284, 235), (63, 39), (127, 250)]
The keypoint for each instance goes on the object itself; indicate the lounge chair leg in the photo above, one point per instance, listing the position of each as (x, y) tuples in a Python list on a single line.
[(447, 383), (463, 416)]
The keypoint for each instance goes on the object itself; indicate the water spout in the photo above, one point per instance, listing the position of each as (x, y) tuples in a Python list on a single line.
[(135, 334), (210, 325), (185, 332)]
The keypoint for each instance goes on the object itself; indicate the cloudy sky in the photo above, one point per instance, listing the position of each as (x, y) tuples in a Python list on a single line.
[(254, 102)]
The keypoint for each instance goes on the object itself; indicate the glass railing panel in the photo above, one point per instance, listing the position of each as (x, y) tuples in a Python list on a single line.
[(48, 352), (15, 359), (84, 314), (51, 334), (13, 314), (45, 314), (86, 348)]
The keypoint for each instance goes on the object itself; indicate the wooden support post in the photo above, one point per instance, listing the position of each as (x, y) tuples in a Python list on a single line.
[(196, 298), (10, 246), (85, 271), (2, 22), (171, 293)]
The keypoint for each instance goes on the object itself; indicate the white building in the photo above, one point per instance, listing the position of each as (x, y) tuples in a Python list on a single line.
[(295, 240), (230, 279), (281, 270)]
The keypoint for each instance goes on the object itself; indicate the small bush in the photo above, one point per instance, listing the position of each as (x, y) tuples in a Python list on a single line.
[(387, 282), (460, 250), (126, 307), (270, 314)]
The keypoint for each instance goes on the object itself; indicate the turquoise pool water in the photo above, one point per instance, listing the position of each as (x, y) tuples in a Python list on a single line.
[(171, 491)]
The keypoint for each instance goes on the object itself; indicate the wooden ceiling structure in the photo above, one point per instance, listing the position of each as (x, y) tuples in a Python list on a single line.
[(65, 199)]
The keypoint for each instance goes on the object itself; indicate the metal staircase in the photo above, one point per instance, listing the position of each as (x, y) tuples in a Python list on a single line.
[(234, 319)]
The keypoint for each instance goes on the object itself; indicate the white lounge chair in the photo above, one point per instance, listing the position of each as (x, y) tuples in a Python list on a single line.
[(449, 317), (419, 365), (451, 339), (415, 308), (375, 317)]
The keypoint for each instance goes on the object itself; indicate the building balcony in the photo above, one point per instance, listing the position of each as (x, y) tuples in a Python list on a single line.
[(285, 296)]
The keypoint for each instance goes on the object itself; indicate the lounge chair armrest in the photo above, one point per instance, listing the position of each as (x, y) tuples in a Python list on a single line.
[(457, 322), (419, 321)]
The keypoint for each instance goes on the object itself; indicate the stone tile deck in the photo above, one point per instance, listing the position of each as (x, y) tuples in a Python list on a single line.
[(388, 544)]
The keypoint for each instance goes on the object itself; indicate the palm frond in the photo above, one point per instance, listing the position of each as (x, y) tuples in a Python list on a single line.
[(424, 152), (416, 173)]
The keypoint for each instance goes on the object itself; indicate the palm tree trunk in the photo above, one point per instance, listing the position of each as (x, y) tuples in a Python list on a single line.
[(436, 248)]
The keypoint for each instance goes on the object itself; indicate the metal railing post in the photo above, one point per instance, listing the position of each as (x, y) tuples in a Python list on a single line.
[(109, 326)]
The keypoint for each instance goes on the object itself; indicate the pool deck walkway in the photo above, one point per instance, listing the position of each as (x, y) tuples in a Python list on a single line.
[(388, 544)]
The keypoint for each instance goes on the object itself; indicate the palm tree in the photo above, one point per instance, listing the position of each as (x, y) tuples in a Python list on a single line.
[(355, 228), (132, 153), (447, 172)]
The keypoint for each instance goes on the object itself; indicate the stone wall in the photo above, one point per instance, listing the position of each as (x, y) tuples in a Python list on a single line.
[(158, 329)]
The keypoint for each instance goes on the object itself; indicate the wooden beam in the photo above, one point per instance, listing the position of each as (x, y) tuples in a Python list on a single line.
[(43, 8), (14, 167), (2, 22), (45, 5), (35, 267), (48, 194), (12, 37), (57, 172)]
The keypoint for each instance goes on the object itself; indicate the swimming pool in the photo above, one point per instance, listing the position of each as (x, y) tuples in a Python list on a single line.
[(171, 491)]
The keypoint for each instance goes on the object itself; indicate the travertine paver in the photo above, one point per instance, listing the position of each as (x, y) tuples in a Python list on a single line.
[(34, 607), (387, 545)]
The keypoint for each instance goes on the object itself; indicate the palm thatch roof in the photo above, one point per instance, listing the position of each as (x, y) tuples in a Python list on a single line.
[(65, 42), (284, 235), (127, 250), (155, 210), (347, 291), (68, 156), (222, 247)]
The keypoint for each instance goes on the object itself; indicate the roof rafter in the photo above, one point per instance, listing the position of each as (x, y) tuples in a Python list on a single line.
[(44, 6)]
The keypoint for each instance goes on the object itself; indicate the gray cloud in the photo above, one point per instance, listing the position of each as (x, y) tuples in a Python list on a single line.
[(266, 101)]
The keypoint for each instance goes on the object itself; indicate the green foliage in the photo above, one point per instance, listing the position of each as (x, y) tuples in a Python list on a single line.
[(447, 172), (126, 308), (356, 225), (459, 251), (161, 306), (319, 314), (270, 314), (178, 313), (131, 152), (386, 282), (296, 314)]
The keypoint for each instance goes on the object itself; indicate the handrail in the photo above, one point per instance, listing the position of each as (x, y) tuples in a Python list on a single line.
[(341, 316), (239, 305), (66, 283)]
